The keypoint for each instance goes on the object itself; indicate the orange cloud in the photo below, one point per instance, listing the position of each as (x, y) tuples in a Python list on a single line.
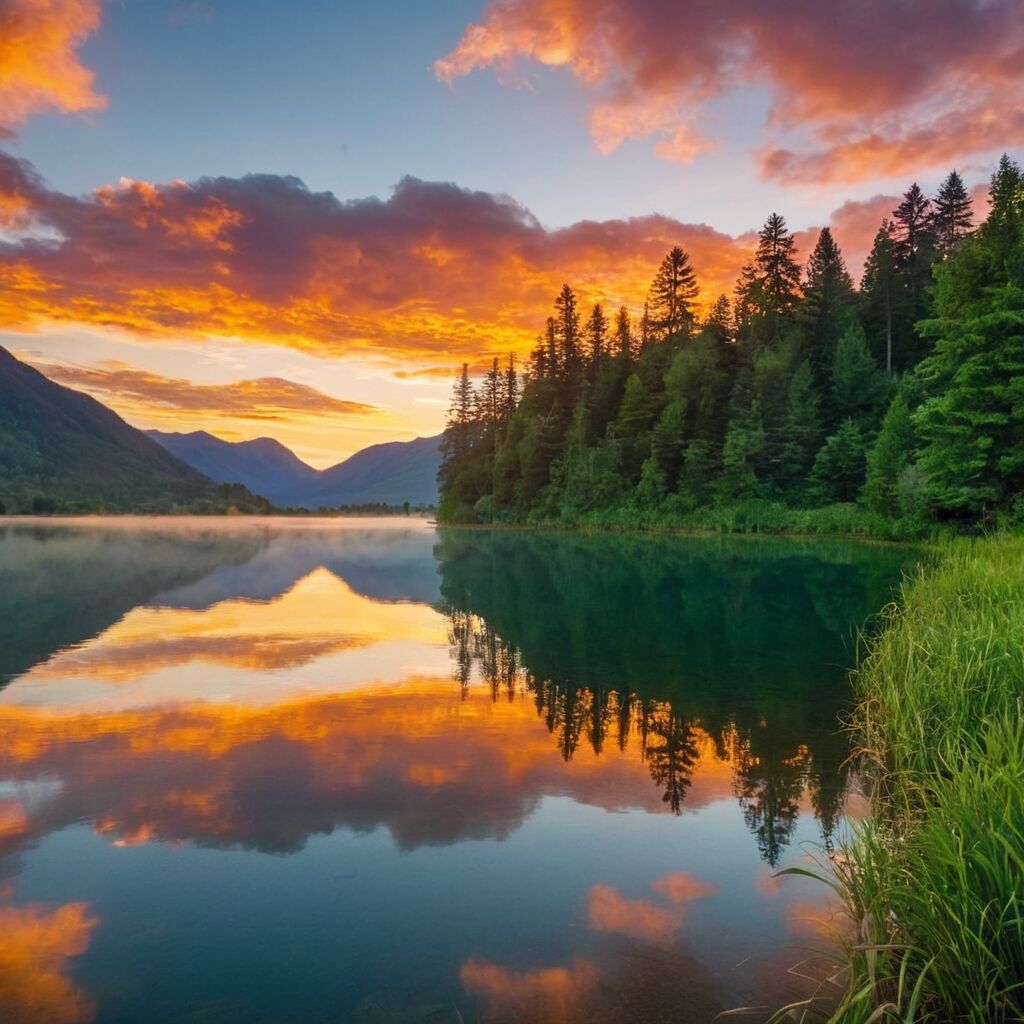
[(549, 994), (36, 945), (141, 392), (850, 96), (39, 66), (682, 887), (430, 277), (609, 911), (361, 759)]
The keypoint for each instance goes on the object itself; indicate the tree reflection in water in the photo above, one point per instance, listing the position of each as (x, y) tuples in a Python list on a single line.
[(739, 648)]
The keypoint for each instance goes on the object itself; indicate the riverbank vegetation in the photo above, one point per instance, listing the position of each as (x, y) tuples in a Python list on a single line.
[(800, 403), (934, 879)]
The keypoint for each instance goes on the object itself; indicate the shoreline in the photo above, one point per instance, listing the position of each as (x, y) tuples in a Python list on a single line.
[(931, 880)]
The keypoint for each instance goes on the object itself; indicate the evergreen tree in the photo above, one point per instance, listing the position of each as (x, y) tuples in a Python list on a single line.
[(624, 343), (1002, 229), (915, 254), (838, 472), (742, 452), (891, 453), (597, 339), (802, 433), (672, 293), (769, 288), (883, 292), (629, 429), (567, 335), (827, 306), (858, 387), (952, 217), (972, 422), (913, 218), (719, 322), (554, 357), (777, 268), (510, 396), (668, 441)]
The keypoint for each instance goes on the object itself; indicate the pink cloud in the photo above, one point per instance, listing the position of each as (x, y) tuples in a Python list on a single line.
[(870, 90)]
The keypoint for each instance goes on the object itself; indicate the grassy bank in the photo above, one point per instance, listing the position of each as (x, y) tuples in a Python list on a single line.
[(934, 880)]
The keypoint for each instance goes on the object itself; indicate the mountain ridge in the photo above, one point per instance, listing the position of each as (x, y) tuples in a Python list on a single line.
[(391, 472), (63, 449)]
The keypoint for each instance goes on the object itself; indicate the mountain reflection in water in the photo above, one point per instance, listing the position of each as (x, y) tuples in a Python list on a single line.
[(287, 688)]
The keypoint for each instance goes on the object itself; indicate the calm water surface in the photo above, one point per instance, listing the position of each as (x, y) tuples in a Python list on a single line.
[(366, 770)]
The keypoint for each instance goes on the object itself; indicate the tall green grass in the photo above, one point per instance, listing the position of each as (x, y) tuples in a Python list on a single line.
[(934, 880)]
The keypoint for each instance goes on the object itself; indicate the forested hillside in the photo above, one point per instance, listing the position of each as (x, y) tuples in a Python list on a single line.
[(900, 401), (62, 451)]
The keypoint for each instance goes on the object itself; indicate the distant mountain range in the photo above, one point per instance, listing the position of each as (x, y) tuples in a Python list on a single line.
[(392, 473), (61, 449)]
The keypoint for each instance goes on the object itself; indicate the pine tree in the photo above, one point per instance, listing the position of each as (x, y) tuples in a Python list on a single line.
[(567, 333), (672, 293), (624, 337), (719, 321), (827, 305), (510, 398), (768, 289), (972, 422), (891, 453), (858, 386), (952, 217), (1006, 209), (838, 472), (460, 415), (554, 358), (597, 339), (668, 441), (776, 267), (1005, 190), (802, 432), (913, 219), (456, 444), (882, 288), (915, 254), (742, 453)]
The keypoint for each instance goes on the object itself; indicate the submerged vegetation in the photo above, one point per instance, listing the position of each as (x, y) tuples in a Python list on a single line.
[(804, 403), (934, 880)]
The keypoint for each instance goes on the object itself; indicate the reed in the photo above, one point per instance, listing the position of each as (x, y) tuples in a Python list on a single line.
[(934, 880)]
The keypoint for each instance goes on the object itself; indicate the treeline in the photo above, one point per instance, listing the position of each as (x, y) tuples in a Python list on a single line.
[(902, 399)]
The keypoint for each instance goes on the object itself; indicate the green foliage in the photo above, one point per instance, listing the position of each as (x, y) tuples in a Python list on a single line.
[(972, 420), (63, 452), (889, 457), (933, 881), (792, 395), (858, 387), (838, 472)]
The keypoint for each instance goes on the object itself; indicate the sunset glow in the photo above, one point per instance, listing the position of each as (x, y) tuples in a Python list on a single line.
[(281, 300)]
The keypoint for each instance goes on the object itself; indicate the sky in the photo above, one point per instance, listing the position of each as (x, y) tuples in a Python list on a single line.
[(299, 219)]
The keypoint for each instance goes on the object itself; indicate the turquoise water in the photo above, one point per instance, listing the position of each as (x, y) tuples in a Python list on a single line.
[(365, 770)]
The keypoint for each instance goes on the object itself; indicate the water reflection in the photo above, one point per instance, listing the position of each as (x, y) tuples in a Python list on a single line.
[(446, 717), (737, 646)]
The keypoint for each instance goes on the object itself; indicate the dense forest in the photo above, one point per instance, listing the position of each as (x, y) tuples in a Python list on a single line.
[(883, 408)]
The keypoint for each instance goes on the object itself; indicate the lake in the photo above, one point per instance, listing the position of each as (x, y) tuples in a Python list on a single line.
[(372, 771)]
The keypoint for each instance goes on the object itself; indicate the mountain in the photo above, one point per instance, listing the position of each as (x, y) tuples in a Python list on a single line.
[(61, 449), (264, 465), (390, 473)]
